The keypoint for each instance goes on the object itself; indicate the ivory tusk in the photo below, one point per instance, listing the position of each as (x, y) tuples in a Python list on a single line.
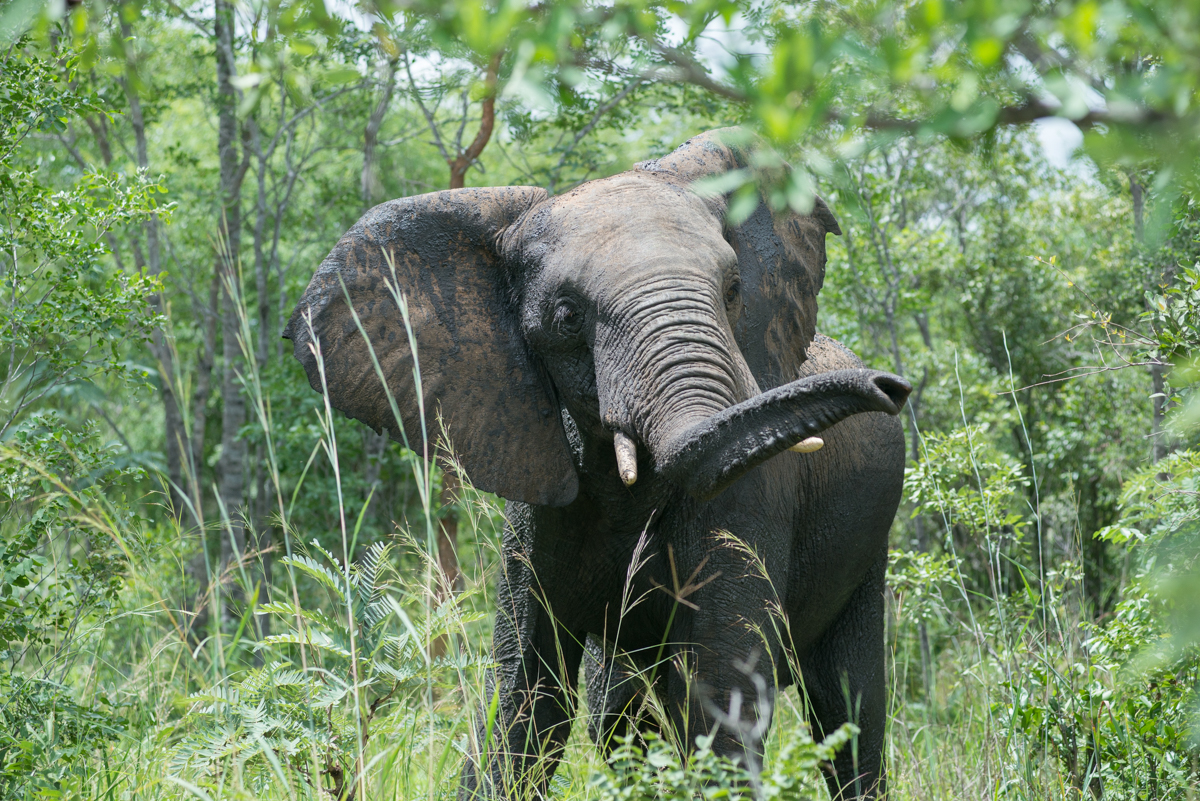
[(626, 458), (808, 445)]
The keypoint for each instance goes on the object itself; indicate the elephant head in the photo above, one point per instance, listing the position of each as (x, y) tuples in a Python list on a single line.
[(627, 302)]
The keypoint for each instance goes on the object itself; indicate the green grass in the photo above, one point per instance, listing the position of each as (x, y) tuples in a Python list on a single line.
[(1018, 701)]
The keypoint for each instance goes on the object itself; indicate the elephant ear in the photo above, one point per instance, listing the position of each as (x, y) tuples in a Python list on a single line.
[(476, 372), (781, 257)]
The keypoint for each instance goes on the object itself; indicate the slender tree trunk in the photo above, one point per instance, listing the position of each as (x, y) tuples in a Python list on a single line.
[(202, 393), (927, 666), (370, 169), (487, 121), (1138, 194), (264, 533), (231, 481), (459, 164), (448, 531), (448, 542), (173, 429), (1158, 437), (880, 241), (262, 345), (450, 579), (1158, 389), (198, 567), (374, 448)]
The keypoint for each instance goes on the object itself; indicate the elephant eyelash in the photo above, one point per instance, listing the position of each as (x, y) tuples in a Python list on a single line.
[(732, 291), (568, 319)]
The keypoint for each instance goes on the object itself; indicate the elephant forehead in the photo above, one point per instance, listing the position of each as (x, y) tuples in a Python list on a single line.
[(630, 222)]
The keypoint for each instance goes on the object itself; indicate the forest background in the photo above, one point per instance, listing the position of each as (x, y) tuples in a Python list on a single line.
[(211, 586)]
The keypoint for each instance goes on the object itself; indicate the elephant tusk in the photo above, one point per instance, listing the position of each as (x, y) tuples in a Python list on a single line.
[(809, 445), (626, 458)]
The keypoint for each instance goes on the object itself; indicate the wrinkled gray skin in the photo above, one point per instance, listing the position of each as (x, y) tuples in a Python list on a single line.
[(543, 326)]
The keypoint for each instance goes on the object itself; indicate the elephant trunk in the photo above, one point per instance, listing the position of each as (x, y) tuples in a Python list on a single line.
[(680, 386), (712, 455), (666, 361)]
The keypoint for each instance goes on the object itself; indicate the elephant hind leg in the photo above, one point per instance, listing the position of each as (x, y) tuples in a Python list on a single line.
[(617, 695), (844, 678)]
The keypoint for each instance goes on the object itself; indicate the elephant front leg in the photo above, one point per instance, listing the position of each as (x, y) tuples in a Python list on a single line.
[(728, 695), (515, 751), (617, 694), (721, 679)]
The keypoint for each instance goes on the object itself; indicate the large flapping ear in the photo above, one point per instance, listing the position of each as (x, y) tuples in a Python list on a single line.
[(781, 257), (476, 372)]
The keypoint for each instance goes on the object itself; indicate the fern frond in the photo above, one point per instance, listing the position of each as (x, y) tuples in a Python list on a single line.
[(370, 566), (344, 574), (289, 612), (318, 571), (314, 638)]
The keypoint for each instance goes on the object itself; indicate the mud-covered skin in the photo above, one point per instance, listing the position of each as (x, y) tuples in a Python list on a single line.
[(544, 326)]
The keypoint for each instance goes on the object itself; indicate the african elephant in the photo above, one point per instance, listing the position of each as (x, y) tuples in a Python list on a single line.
[(630, 373)]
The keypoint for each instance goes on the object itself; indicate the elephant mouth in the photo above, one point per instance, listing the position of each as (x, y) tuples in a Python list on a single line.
[(709, 456)]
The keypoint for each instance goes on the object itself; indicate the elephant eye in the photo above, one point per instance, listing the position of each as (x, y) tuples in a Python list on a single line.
[(731, 293), (568, 319)]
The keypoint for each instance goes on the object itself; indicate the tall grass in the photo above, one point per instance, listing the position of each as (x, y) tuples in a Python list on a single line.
[(323, 683)]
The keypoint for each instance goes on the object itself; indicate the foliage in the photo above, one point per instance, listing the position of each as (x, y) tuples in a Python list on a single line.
[(649, 768), (968, 483), (917, 579), (848, 75), (65, 317), (1120, 719), (1158, 504), (61, 573), (45, 736), (1174, 318), (1160, 518), (59, 565), (309, 712), (1116, 727)]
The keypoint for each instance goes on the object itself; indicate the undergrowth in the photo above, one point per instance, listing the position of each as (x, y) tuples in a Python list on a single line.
[(358, 678)]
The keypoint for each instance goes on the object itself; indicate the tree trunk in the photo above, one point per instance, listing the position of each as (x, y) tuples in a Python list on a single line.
[(374, 449), (370, 177), (448, 541), (1158, 437), (448, 530), (202, 392), (449, 578), (1138, 194), (927, 666), (264, 533), (231, 481), (173, 430), (198, 567), (1158, 389), (487, 120)]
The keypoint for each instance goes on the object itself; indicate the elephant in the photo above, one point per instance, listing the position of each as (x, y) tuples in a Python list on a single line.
[(641, 379)]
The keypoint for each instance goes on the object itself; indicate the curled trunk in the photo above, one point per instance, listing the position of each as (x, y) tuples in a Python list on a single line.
[(709, 456), (681, 387)]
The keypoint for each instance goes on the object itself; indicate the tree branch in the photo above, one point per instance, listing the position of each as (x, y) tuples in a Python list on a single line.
[(1029, 111), (585, 130), (691, 71), (433, 129), (487, 121)]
